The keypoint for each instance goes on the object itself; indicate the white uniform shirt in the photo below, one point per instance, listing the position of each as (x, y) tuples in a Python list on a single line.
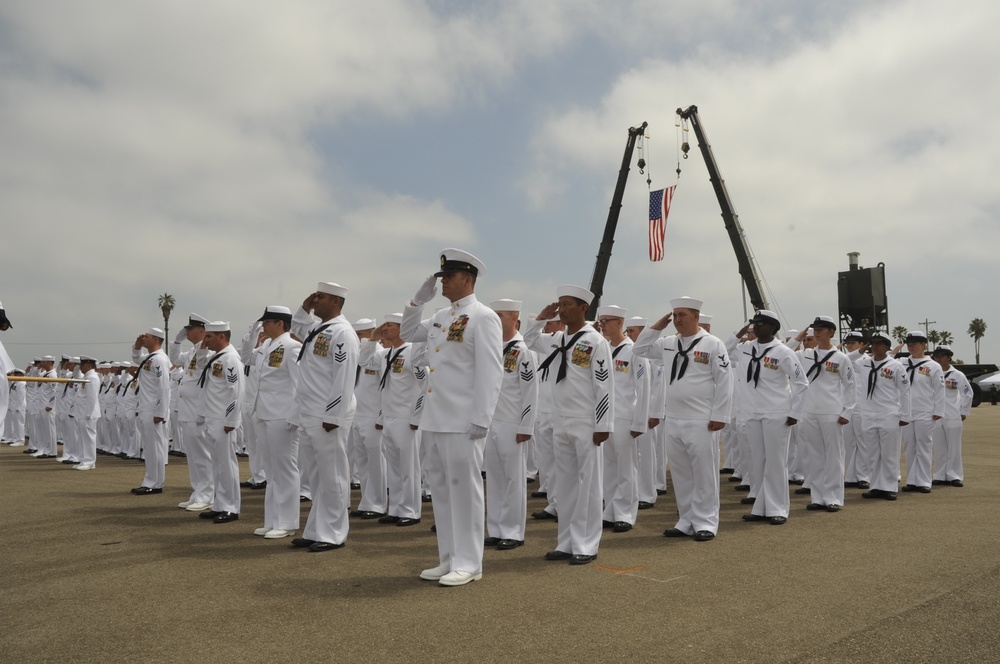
[(47, 391), (222, 387), (189, 395), (367, 390), (518, 400), (957, 395), (704, 390), (587, 391), (154, 384), (328, 368), (401, 382), (87, 405), (277, 375), (926, 387), (887, 389), (464, 364), (832, 385), (776, 384), (543, 346), (631, 381)]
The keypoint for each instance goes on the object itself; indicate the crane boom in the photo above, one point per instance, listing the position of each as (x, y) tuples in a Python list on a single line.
[(748, 267)]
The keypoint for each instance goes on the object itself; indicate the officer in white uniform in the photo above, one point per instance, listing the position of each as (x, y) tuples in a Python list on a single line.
[(366, 440), (401, 390), (465, 370), (926, 409), (776, 387), (857, 457), (221, 383), (621, 455), (87, 412), (273, 421), (828, 408), (583, 399), (45, 422), (513, 426), (152, 383), (546, 344), (199, 459), (885, 408), (948, 434), (328, 370), (698, 396)]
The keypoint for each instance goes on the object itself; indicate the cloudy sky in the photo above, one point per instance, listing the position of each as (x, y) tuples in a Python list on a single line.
[(235, 153)]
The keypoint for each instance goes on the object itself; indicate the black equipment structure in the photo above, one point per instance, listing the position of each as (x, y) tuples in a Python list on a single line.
[(861, 298)]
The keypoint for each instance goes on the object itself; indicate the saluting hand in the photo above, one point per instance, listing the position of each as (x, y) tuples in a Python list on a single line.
[(550, 311)]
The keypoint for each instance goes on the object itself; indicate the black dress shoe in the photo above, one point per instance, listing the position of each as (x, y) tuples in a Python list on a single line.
[(354, 514), (305, 499), (863, 485), (531, 480), (355, 486), (643, 505), (889, 495), (749, 500), (742, 487), (725, 471), (145, 490), (543, 515), (833, 508), (539, 494), (675, 532), (622, 527), (777, 520), (802, 491), (425, 498), (704, 536), (316, 547), (797, 482), (226, 517), (850, 485), (491, 541), (661, 492), (958, 483), (46, 456), (581, 560), (247, 484), (815, 506), (209, 514), (387, 518), (735, 478), (939, 482), (29, 451), (924, 489), (242, 455), (909, 487), (406, 521), (558, 555), (258, 485), (753, 517), (606, 525), (434, 528), (508, 544), (68, 461), (302, 543), (874, 493)]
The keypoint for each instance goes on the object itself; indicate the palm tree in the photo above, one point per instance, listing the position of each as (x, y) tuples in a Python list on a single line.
[(977, 330), (934, 337), (899, 332), (166, 302), (946, 338)]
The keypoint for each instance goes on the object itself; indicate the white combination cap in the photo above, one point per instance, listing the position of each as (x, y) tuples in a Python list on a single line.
[(456, 260)]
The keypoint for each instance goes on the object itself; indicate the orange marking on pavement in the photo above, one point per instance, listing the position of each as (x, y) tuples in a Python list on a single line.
[(619, 571)]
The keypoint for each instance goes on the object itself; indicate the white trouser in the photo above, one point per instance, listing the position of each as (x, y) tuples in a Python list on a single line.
[(948, 450), (857, 456), (660, 453), (768, 438), (45, 432), (67, 433), (154, 450), (15, 426), (329, 480), (176, 434), (882, 437), (62, 420), (546, 459), (369, 465), (578, 480), (645, 466), (256, 462), (454, 472), (821, 438), (694, 471), (402, 463), (199, 462), (225, 467), (86, 434), (918, 446), (133, 439), (277, 446), (797, 460), (506, 489), (530, 463), (619, 484)]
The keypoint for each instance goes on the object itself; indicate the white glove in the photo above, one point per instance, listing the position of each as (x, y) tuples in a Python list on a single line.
[(475, 431), (426, 292), (181, 336)]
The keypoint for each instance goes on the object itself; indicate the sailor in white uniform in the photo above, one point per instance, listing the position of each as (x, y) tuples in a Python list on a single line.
[(152, 384), (926, 408), (885, 408), (948, 434)]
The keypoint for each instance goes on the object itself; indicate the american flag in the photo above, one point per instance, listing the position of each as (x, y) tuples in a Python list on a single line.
[(659, 208)]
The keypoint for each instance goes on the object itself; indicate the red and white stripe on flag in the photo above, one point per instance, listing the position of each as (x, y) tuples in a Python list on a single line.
[(659, 208)]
